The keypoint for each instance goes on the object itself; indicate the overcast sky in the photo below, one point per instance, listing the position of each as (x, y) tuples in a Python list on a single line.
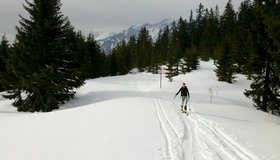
[(109, 15)]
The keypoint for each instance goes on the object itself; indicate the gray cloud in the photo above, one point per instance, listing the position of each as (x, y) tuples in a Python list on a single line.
[(109, 15)]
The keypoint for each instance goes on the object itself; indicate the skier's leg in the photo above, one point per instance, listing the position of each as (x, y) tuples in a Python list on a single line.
[(184, 103)]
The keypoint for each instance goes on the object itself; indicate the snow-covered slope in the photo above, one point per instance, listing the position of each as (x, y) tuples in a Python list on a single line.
[(107, 43), (130, 117)]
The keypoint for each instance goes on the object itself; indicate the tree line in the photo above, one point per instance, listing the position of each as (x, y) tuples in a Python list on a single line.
[(242, 42), (49, 59)]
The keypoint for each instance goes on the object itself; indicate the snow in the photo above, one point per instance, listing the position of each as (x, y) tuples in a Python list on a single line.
[(108, 42), (130, 117)]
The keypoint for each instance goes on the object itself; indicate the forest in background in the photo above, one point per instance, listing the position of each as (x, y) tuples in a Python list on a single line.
[(49, 52)]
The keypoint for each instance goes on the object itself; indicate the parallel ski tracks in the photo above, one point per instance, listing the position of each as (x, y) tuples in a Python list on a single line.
[(173, 139), (201, 139), (219, 144)]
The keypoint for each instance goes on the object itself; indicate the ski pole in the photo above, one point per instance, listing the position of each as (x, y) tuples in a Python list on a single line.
[(173, 99), (189, 103)]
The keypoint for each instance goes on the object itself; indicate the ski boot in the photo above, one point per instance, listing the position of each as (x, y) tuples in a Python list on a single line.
[(185, 109)]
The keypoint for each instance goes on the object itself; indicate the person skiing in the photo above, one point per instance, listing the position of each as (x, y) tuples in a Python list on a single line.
[(184, 95)]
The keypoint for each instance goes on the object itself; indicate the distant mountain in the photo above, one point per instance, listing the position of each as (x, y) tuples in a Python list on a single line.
[(109, 42)]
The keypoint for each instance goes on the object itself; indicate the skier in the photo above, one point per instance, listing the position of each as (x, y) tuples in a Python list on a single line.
[(184, 95)]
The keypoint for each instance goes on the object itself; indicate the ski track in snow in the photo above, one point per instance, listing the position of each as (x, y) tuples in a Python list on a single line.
[(192, 137), (173, 139), (219, 145)]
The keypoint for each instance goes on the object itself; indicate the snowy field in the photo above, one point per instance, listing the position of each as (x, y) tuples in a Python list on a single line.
[(130, 118)]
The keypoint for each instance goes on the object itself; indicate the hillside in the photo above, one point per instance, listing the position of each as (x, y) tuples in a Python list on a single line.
[(130, 117), (107, 43)]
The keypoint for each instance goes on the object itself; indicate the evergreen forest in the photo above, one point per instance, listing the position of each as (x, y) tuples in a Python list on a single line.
[(49, 59)]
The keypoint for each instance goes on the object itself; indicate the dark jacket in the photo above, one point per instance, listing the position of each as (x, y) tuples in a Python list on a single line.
[(184, 91)]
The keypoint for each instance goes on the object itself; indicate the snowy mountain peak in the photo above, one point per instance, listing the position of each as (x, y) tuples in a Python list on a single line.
[(108, 42)]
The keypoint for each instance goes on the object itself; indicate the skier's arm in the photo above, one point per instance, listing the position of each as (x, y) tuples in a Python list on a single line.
[(188, 92), (178, 91)]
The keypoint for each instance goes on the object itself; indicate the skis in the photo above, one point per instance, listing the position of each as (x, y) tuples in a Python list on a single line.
[(184, 110)]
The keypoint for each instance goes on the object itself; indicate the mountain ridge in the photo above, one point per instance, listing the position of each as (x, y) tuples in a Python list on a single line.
[(107, 43)]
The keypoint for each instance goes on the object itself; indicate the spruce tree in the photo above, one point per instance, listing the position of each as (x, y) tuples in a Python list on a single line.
[(228, 25), (113, 63), (157, 47), (4, 53), (123, 58), (228, 20), (144, 49), (183, 36), (161, 47), (200, 26), (190, 60), (224, 60), (191, 28), (43, 58), (170, 70), (173, 54), (224, 63), (92, 61), (132, 49), (154, 65), (244, 38), (265, 87), (163, 43), (209, 37)]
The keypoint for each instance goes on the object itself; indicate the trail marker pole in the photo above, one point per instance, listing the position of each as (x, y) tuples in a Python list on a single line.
[(160, 74), (211, 94)]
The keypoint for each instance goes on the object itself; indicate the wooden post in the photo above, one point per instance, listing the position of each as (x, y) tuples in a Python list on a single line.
[(211, 94), (160, 74)]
